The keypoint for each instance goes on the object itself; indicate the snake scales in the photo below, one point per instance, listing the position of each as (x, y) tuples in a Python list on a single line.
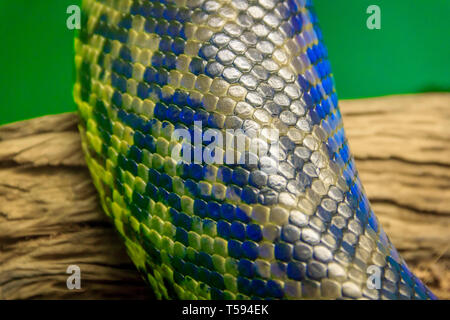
[(290, 220)]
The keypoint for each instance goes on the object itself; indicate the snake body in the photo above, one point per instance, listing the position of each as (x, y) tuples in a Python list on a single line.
[(293, 223)]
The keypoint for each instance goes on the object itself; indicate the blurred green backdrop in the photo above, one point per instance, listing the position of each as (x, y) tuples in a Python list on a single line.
[(409, 54)]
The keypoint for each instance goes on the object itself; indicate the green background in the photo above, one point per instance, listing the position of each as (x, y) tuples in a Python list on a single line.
[(409, 54)]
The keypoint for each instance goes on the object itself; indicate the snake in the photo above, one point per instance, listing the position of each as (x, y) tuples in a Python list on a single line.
[(276, 212)]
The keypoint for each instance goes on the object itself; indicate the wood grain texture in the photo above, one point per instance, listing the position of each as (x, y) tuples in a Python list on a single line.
[(50, 216), (402, 149)]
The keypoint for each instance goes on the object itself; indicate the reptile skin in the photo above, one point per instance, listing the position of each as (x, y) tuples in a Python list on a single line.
[(292, 227)]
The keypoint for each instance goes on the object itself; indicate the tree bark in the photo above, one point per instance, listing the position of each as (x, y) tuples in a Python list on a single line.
[(50, 216)]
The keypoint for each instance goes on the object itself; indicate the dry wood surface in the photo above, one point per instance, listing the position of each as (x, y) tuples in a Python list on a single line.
[(50, 216)]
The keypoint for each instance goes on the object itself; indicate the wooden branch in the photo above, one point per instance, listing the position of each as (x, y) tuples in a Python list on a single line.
[(50, 217), (402, 149)]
